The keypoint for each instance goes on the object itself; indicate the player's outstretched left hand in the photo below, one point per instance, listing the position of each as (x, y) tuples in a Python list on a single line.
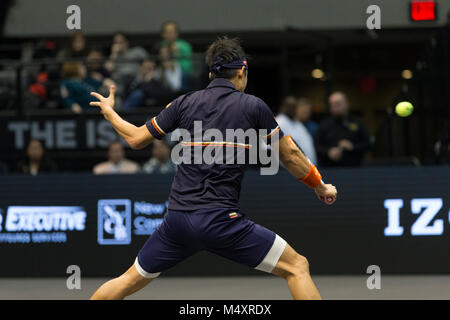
[(105, 104), (326, 193)]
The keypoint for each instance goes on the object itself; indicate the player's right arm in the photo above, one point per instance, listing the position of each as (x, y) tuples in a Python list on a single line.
[(301, 168), (290, 154)]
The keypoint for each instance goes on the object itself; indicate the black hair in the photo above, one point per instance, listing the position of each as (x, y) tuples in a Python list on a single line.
[(288, 105), (45, 164), (229, 49), (41, 143)]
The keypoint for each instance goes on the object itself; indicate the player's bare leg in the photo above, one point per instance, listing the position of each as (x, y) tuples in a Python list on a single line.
[(294, 269), (120, 287)]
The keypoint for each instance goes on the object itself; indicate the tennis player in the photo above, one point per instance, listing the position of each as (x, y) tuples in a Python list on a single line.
[(203, 211)]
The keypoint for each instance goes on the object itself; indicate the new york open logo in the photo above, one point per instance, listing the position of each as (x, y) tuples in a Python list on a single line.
[(114, 222), (118, 219), (148, 216)]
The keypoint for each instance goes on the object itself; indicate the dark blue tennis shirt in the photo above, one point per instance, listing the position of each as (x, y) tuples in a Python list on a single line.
[(220, 106)]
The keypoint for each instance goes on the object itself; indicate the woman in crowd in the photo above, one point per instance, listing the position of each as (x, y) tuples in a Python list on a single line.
[(76, 87), (77, 47), (35, 160), (169, 70)]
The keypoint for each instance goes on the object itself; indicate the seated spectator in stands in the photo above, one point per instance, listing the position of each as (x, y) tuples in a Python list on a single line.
[(95, 66), (76, 88), (35, 160), (169, 70), (38, 91), (77, 47), (97, 75), (160, 161), (342, 139), (291, 126), (180, 49), (117, 163), (145, 85), (303, 114), (123, 60), (442, 145)]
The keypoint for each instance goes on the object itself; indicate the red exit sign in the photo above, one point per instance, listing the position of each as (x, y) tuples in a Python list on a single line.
[(423, 10)]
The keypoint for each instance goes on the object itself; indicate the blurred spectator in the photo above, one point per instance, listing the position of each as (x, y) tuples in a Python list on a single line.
[(95, 66), (169, 70), (43, 78), (180, 49), (303, 114), (342, 138), (291, 126), (35, 160), (37, 91), (442, 146), (287, 108), (97, 75), (77, 47), (75, 87), (160, 161), (144, 86), (123, 60), (117, 163)]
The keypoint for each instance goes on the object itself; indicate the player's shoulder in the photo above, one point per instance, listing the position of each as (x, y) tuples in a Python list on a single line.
[(253, 103), (178, 102), (253, 98)]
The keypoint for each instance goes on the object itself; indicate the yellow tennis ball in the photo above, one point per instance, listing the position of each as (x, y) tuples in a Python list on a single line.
[(404, 109)]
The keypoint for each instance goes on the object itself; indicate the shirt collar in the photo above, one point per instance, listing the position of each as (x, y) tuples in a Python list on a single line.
[(221, 82)]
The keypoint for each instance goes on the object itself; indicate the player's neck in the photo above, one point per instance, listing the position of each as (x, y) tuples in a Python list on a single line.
[(237, 84)]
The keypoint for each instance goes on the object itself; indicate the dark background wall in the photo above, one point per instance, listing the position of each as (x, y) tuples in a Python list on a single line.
[(29, 19)]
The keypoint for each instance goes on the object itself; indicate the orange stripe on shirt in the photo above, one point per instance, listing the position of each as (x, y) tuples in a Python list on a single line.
[(157, 128), (274, 131), (216, 144)]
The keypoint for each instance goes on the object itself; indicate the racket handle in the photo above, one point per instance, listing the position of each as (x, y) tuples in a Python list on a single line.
[(329, 200)]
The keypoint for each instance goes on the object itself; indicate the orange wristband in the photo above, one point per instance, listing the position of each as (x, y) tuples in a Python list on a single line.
[(313, 178)]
